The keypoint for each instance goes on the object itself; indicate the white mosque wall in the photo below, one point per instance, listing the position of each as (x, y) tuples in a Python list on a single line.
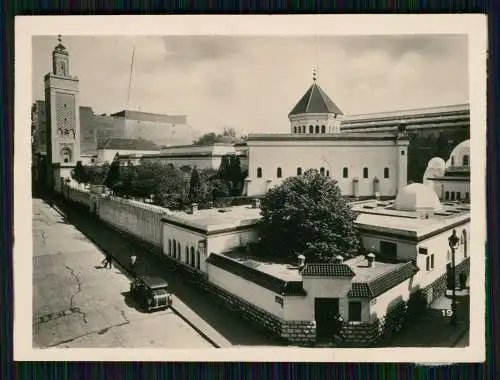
[(451, 190), (332, 157)]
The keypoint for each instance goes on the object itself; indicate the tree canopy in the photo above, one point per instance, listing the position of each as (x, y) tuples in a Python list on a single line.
[(307, 215)]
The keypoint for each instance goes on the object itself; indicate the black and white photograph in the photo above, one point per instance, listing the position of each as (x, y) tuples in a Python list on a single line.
[(304, 188)]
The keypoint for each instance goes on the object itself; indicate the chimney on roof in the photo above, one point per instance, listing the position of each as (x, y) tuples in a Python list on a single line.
[(302, 262), (194, 207), (339, 259), (255, 203), (371, 260)]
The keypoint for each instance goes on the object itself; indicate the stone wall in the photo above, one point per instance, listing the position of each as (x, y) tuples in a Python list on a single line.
[(360, 334), (81, 196)]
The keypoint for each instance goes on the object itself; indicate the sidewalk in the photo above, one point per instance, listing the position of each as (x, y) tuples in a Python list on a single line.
[(219, 325), (434, 329)]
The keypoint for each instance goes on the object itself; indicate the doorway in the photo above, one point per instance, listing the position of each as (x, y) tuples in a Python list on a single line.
[(325, 311)]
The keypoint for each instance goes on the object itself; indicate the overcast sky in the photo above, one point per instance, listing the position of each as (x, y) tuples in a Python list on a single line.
[(251, 83)]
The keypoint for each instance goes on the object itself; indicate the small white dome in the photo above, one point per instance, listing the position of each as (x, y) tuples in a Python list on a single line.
[(436, 163), (460, 155), (417, 197)]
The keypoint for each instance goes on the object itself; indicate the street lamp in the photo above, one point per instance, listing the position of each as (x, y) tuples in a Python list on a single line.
[(453, 242)]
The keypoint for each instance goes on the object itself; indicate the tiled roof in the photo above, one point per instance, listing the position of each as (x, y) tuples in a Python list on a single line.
[(128, 144), (383, 283), (327, 270), (315, 100), (265, 280)]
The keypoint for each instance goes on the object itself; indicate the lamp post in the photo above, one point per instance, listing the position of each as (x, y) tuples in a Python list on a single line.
[(453, 242)]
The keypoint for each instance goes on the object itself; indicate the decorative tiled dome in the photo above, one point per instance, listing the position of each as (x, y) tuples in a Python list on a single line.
[(417, 197)]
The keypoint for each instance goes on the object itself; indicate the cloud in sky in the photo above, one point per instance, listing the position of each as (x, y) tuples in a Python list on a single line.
[(251, 83)]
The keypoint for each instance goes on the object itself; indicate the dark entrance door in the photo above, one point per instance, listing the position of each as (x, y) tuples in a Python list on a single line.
[(449, 277), (325, 311)]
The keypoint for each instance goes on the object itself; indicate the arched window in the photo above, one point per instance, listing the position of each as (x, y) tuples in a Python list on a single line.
[(193, 259), (323, 129), (458, 195), (169, 247), (179, 252), (386, 172), (299, 171), (259, 172), (345, 172), (322, 171), (278, 172), (311, 129), (464, 242), (328, 173), (294, 129), (303, 129), (465, 160), (365, 172), (174, 246), (186, 258), (66, 155), (452, 195), (447, 195), (198, 260), (452, 161), (317, 129)]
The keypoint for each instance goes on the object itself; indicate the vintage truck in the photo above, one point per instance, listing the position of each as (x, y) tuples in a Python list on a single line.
[(151, 293)]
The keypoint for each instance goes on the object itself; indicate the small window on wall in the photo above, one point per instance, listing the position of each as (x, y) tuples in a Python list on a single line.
[(355, 311), (322, 171), (259, 172), (386, 172), (402, 152), (317, 129), (278, 172), (311, 129), (429, 262), (467, 197), (299, 171), (345, 173), (458, 195), (328, 173), (323, 129), (303, 129), (294, 129), (452, 195), (447, 195), (365, 172)]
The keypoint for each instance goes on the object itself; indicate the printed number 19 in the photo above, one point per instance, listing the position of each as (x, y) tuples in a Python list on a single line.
[(447, 312)]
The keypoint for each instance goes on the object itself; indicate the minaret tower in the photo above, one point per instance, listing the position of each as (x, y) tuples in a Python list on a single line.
[(63, 117), (315, 112)]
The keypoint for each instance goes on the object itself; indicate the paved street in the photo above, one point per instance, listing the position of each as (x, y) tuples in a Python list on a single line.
[(78, 304), (209, 313)]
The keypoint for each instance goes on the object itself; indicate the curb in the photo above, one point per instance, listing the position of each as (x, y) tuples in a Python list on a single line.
[(196, 328), (127, 271)]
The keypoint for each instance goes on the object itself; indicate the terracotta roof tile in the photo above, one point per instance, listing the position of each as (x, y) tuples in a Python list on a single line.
[(383, 283), (327, 270)]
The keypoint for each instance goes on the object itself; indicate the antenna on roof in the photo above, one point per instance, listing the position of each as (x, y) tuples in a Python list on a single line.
[(130, 76), (314, 74), (59, 38)]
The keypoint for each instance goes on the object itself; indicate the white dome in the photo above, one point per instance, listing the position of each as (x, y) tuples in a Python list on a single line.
[(436, 163), (417, 197), (458, 153)]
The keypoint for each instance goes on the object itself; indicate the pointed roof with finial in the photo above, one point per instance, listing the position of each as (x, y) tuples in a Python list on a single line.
[(315, 100), (60, 48)]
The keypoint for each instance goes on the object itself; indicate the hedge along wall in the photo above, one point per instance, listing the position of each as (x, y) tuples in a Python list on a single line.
[(138, 219)]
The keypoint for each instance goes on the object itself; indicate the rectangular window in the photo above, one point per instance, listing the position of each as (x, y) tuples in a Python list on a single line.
[(389, 249), (428, 263), (355, 311), (432, 261)]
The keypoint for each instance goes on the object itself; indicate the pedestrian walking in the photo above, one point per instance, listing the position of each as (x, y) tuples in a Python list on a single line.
[(133, 263), (109, 261)]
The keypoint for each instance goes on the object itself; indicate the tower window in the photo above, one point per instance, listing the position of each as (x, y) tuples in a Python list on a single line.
[(345, 172), (299, 171), (323, 129), (311, 129), (386, 172), (294, 129), (328, 173), (322, 171), (365, 172), (259, 172), (278, 172), (317, 129)]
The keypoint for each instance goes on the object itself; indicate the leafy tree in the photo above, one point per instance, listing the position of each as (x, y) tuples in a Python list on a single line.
[(97, 174), (308, 215), (171, 190), (207, 139), (113, 176), (79, 173), (195, 194)]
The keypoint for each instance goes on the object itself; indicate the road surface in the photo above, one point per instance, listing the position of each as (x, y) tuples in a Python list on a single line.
[(76, 303)]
